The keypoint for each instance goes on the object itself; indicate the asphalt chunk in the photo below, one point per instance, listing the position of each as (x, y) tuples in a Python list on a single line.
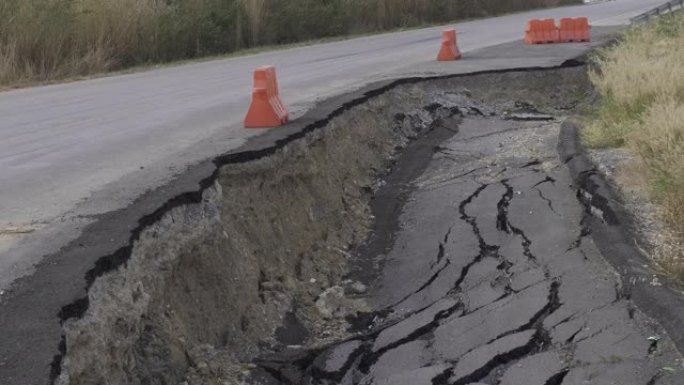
[(337, 358), (537, 369), (477, 364), (414, 324), (405, 358), (422, 376)]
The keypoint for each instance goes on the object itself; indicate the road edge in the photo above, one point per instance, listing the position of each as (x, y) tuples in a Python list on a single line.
[(612, 229)]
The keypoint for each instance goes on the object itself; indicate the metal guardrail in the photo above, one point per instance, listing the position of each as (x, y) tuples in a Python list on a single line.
[(664, 9)]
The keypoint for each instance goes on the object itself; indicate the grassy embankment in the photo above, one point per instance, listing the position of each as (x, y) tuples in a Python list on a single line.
[(44, 40), (642, 84)]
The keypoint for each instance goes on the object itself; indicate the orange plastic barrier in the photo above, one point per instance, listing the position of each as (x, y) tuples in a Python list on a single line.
[(266, 109), (533, 32), (583, 28), (541, 32), (567, 30), (550, 31), (574, 30), (449, 50)]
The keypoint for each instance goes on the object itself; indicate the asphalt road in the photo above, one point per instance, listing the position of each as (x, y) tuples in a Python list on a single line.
[(72, 151)]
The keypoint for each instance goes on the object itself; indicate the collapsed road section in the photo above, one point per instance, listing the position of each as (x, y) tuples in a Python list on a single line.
[(424, 233), (492, 275)]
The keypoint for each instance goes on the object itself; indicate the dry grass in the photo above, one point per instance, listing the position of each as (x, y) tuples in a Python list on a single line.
[(44, 40), (669, 261), (642, 83)]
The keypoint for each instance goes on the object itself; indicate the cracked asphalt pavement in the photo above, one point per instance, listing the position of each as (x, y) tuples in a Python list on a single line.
[(493, 279)]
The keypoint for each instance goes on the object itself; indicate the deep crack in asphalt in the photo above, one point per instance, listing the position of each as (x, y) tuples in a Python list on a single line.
[(497, 278)]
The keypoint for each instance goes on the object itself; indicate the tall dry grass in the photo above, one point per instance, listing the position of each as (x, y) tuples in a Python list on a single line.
[(52, 39), (642, 83)]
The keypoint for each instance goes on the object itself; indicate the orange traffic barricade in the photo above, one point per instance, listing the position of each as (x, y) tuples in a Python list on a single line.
[(449, 50), (541, 32), (574, 30), (267, 108), (567, 30), (550, 31), (533, 33), (583, 29)]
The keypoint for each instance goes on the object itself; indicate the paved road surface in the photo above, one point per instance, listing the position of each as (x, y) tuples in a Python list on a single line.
[(72, 151)]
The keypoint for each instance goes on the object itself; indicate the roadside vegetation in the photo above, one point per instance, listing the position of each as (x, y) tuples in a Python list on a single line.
[(42, 40), (642, 84)]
